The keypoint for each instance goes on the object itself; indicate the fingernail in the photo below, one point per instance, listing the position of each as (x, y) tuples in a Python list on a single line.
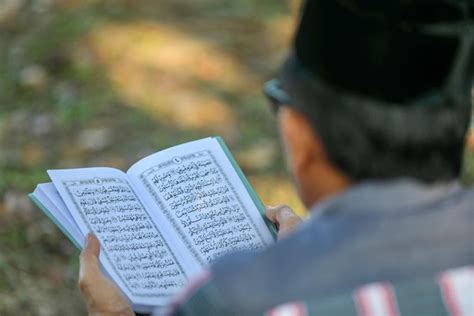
[(285, 213)]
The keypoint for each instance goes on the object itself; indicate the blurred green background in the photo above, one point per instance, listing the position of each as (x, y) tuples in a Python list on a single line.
[(105, 83)]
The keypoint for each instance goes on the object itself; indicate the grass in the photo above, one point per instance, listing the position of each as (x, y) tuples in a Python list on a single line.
[(468, 169), (77, 92)]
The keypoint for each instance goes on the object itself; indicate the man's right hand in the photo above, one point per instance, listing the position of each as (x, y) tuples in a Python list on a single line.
[(285, 219)]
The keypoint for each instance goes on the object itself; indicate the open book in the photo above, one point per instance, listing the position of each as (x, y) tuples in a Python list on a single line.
[(160, 223)]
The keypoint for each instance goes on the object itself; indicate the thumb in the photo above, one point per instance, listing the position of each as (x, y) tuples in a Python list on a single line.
[(89, 261)]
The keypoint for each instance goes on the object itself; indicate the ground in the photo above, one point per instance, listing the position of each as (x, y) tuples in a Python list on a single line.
[(105, 83)]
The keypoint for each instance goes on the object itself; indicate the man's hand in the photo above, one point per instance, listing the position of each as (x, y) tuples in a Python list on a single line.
[(102, 297), (284, 218)]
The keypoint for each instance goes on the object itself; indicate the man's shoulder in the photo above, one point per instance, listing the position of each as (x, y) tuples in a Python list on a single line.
[(401, 196), (336, 251)]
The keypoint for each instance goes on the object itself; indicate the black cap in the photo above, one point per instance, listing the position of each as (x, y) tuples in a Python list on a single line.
[(391, 50)]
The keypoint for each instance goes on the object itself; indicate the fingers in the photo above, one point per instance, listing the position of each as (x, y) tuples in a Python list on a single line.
[(284, 217), (89, 262), (270, 212), (281, 214)]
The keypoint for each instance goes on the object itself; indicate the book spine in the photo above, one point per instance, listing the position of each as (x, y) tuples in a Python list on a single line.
[(248, 186)]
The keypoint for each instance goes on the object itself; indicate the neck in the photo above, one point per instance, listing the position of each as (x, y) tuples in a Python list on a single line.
[(321, 181)]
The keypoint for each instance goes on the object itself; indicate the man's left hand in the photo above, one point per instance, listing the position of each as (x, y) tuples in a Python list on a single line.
[(102, 297)]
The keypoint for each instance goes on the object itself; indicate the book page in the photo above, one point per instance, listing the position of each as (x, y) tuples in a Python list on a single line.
[(133, 252), (50, 202), (197, 189)]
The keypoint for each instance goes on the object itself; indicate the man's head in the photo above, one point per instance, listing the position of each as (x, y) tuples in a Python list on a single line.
[(377, 90)]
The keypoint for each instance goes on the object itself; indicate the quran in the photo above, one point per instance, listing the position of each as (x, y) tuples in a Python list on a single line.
[(163, 220)]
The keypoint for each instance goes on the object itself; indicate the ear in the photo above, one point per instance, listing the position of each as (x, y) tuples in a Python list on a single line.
[(315, 176)]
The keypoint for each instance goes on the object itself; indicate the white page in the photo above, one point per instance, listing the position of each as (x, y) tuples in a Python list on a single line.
[(49, 190), (58, 214), (49, 197), (196, 188), (133, 251)]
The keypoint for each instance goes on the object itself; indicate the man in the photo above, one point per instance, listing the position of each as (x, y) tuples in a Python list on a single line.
[(373, 105)]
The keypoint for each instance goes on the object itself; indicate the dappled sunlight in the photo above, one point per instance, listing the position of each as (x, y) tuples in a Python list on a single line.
[(283, 26), (172, 76), (163, 48), (106, 82)]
